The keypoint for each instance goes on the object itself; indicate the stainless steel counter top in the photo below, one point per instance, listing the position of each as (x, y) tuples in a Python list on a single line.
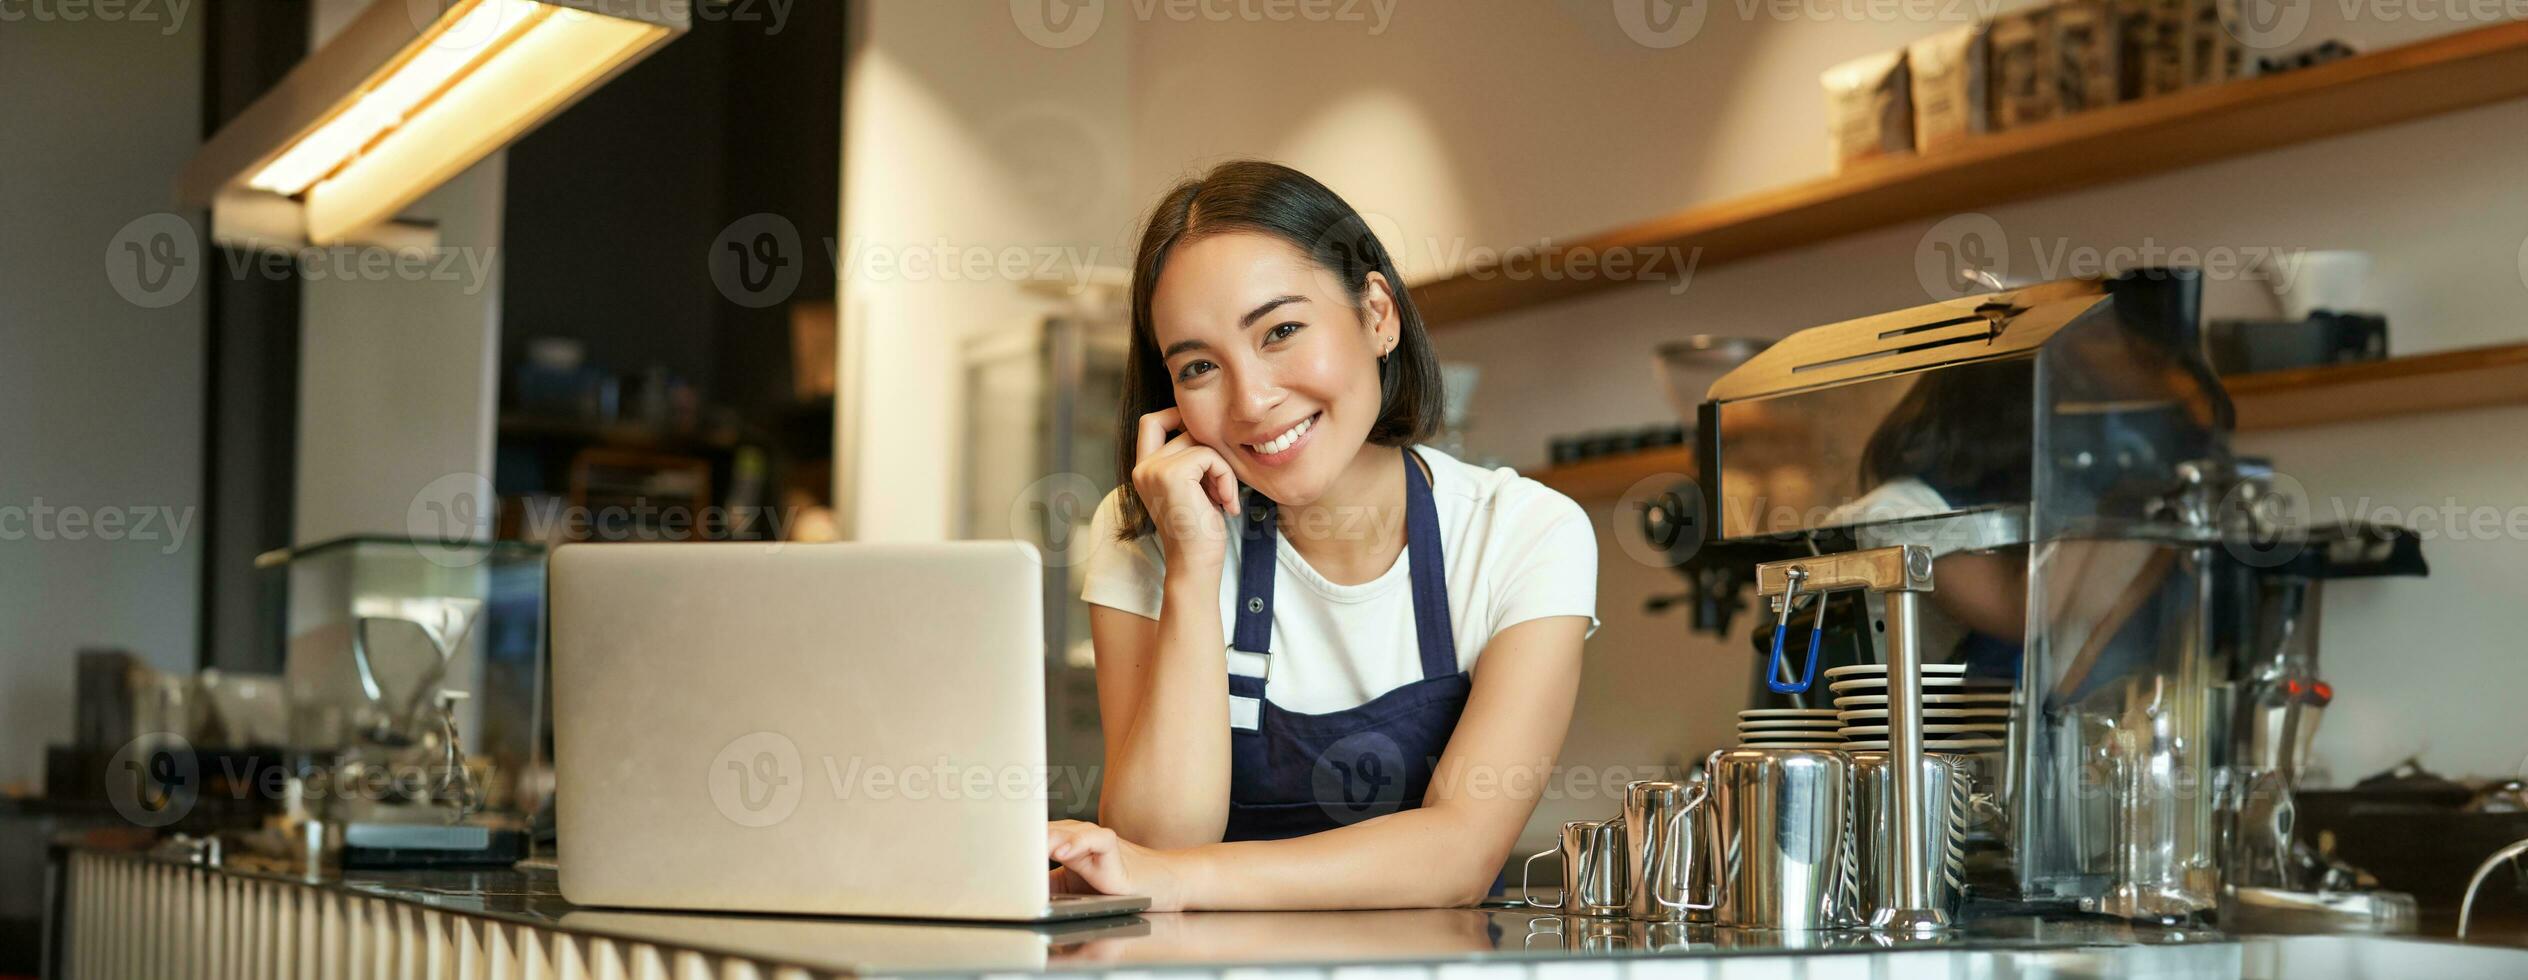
[(1418, 942)]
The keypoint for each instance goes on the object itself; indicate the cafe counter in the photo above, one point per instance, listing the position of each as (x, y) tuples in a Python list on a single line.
[(123, 914)]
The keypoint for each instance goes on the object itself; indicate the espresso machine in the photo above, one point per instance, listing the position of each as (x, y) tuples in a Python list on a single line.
[(2060, 453)]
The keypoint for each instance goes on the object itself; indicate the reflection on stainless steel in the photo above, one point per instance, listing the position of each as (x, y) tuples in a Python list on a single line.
[(2466, 904), (1330, 937), (2275, 910), (1774, 839), (1593, 869), (1657, 831), (1875, 846), (1900, 574)]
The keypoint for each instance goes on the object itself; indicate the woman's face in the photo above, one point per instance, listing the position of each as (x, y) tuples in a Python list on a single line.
[(1273, 367)]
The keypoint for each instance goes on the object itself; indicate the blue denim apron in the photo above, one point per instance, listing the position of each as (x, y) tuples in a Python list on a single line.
[(1293, 774)]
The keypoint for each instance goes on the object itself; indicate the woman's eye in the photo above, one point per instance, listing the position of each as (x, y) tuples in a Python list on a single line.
[(1281, 332), (1192, 370)]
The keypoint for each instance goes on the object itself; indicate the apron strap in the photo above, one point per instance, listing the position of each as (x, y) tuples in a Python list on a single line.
[(1432, 625), (1253, 632), (1259, 549)]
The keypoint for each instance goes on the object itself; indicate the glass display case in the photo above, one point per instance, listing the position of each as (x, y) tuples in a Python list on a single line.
[(378, 630), (2062, 450), (1039, 454)]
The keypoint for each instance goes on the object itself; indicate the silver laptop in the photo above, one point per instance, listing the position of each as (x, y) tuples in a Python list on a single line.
[(839, 729)]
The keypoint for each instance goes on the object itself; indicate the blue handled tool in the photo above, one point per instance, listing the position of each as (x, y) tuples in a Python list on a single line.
[(1781, 627)]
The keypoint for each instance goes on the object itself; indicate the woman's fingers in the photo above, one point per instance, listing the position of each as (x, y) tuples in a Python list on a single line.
[(1181, 444), (1223, 483), (1090, 854), (1153, 432), (1096, 862), (1181, 458)]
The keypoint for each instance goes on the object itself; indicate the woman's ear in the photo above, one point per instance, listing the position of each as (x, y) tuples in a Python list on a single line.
[(1378, 313)]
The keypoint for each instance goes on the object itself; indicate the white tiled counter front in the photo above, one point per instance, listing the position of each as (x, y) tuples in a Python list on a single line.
[(129, 916)]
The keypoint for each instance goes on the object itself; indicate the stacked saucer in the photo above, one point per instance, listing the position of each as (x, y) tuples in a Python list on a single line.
[(1790, 728), (1959, 713)]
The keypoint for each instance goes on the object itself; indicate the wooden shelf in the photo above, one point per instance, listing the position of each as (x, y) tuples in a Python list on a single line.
[(1608, 477), (2445, 381), (2457, 71)]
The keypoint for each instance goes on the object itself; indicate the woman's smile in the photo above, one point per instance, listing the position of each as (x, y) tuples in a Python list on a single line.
[(1284, 446)]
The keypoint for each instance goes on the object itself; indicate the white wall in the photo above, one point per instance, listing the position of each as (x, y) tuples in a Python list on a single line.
[(1498, 124), (399, 365), (959, 141), (399, 378), (100, 393)]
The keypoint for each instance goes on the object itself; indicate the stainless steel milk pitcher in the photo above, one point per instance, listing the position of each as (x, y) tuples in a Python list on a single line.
[(1775, 848), (1593, 870)]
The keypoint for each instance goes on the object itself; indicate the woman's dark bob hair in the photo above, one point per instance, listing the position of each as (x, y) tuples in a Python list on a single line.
[(1270, 199)]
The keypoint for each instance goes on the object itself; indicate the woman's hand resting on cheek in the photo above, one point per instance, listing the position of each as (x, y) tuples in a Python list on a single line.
[(1096, 862), (1187, 487)]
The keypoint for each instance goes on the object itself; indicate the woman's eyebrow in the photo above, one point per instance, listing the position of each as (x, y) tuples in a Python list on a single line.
[(1244, 322), (1258, 313)]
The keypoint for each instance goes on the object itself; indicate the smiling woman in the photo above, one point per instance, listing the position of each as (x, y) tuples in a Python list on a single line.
[(1334, 666)]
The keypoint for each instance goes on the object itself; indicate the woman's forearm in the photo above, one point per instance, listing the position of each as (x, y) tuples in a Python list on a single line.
[(1168, 787), (1419, 858)]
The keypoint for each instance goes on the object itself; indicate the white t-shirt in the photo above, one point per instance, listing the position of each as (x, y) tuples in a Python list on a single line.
[(1515, 551)]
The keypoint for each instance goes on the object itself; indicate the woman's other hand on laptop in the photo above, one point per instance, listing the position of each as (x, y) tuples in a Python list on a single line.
[(1096, 862)]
